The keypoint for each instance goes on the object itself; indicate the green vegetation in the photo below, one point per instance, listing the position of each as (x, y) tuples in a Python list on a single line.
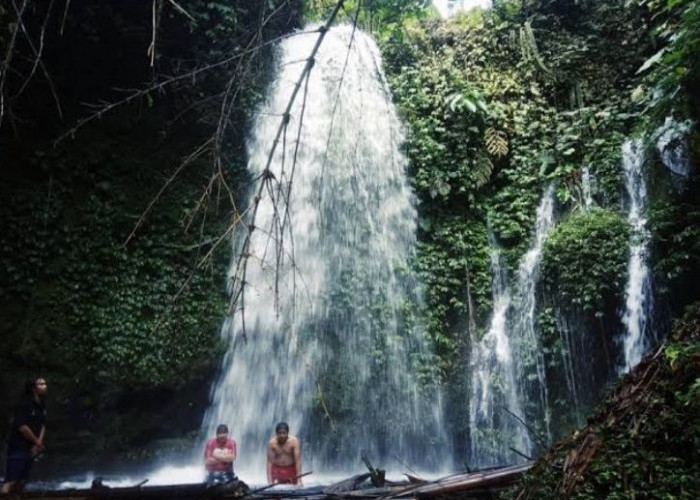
[(112, 243), (498, 104), (585, 261)]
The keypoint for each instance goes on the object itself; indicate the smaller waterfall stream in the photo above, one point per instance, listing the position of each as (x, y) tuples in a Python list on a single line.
[(639, 302), (492, 431), (530, 358), (507, 364), (586, 187)]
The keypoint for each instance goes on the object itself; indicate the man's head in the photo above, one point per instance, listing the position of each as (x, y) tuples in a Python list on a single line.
[(35, 387), (222, 433), (282, 432)]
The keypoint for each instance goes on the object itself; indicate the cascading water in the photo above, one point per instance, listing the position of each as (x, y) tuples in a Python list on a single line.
[(530, 365), (330, 347), (639, 303), (586, 182), (492, 432)]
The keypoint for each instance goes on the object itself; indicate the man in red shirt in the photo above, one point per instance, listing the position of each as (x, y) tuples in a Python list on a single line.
[(219, 455)]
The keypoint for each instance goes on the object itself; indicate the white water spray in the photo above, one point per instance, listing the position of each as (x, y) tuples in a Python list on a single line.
[(586, 187)]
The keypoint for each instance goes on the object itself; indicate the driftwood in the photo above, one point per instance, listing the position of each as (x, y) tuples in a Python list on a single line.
[(350, 484), (480, 484)]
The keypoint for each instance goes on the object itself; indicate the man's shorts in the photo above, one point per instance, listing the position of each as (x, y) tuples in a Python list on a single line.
[(19, 465), (284, 474)]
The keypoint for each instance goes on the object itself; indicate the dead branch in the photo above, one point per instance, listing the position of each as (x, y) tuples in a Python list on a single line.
[(4, 69), (193, 156), (182, 11), (65, 15), (37, 55), (37, 58), (532, 432), (239, 276), (161, 86), (151, 52)]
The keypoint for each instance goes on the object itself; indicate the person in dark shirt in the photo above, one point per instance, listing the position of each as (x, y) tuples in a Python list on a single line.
[(26, 439)]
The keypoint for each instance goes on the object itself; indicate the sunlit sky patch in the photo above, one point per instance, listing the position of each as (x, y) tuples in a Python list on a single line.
[(448, 7)]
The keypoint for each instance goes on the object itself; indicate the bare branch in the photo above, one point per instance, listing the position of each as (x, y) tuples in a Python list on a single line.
[(37, 55), (193, 156), (151, 52), (4, 69), (181, 10), (242, 264), (165, 83), (65, 14)]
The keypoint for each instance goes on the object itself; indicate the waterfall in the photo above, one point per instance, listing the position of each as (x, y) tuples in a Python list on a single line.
[(332, 346), (492, 432), (530, 364), (575, 373), (639, 303), (586, 181)]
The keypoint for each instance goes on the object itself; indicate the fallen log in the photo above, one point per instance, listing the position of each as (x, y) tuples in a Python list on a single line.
[(350, 484)]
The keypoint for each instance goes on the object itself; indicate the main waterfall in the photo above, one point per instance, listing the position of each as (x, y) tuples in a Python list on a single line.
[(333, 346)]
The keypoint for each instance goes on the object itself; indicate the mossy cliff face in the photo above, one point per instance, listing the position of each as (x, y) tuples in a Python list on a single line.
[(499, 104), (502, 103)]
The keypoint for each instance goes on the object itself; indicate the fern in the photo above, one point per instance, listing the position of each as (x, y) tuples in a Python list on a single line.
[(483, 168), (496, 142)]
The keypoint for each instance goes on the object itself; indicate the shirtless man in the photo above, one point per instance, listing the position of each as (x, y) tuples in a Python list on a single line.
[(284, 457)]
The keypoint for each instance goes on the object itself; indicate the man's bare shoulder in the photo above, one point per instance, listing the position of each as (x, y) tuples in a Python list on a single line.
[(272, 443)]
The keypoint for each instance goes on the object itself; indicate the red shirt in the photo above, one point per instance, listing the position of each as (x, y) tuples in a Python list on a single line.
[(212, 444)]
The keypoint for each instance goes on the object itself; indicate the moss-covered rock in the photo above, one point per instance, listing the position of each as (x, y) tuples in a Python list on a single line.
[(584, 265)]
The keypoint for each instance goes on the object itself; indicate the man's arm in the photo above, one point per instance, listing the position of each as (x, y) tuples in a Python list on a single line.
[(37, 442), (270, 457), (27, 434), (208, 455), (297, 460), (229, 457)]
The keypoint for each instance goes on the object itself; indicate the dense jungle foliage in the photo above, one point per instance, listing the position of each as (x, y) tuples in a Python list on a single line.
[(114, 214)]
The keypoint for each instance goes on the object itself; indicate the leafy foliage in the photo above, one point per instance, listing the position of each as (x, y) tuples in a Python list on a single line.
[(584, 262), (84, 302)]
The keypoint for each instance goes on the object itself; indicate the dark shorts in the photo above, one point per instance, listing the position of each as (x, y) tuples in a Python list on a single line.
[(221, 477), (19, 465)]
